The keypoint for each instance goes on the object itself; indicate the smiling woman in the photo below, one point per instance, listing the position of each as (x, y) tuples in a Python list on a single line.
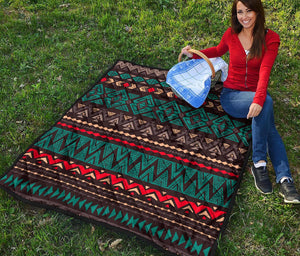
[(253, 50), (248, 21)]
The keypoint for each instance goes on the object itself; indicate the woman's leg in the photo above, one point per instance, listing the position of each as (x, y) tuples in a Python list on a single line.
[(265, 138), (236, 104), (277, 153)]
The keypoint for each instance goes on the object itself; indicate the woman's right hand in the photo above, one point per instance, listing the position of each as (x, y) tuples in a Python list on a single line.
[(185, 51)]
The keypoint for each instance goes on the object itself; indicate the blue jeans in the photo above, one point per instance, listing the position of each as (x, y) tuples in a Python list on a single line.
[(265, 138)]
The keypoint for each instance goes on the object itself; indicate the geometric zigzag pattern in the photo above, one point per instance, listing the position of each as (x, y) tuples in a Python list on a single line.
[(131, 186), (110, 213), (130, 154)]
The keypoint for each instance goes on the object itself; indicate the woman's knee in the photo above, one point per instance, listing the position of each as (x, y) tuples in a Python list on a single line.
[(267, 110), (236, 103), (268, 104)]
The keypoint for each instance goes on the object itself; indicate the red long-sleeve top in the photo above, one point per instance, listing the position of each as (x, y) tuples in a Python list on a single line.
[(246, 75)]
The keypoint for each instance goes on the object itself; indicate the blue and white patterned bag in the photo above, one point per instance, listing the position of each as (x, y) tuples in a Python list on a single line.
[(191, 80)]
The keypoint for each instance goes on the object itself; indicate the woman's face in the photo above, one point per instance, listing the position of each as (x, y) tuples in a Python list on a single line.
[(245, 16)]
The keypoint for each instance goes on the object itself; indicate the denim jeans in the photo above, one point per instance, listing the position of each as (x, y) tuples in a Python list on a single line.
[(265, 138)]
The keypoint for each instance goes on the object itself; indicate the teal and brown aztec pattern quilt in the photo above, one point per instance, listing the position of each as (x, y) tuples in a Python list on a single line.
[(130, 154)]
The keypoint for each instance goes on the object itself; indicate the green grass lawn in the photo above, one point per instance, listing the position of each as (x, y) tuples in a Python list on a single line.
[(51, 52)]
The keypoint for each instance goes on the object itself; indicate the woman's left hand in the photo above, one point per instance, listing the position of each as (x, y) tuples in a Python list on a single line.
[(254, 110)]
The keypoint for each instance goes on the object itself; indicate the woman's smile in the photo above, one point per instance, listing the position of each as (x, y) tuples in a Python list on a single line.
[(245, 16)]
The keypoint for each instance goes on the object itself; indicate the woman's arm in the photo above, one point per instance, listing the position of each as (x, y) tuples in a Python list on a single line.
[(273, 42), (265, 71)]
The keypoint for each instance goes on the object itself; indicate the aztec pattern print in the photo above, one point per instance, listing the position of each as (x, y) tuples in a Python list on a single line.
[(130, 154)]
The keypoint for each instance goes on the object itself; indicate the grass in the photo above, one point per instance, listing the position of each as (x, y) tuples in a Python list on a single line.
[(51, 51)]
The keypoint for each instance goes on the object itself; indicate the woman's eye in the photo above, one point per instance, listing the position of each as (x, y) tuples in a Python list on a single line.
[(249, 10)]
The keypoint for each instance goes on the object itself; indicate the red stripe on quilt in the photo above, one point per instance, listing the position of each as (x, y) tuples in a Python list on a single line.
[(115, 180), (148, 149)]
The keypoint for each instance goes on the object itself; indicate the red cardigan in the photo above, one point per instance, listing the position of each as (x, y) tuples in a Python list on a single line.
[(252, 75)]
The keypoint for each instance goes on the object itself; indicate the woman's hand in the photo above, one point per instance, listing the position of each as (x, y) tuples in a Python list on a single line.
[(254, 110), (185, 51)]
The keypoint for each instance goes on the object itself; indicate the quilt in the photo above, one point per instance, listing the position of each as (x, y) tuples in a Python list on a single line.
[(132, 155)]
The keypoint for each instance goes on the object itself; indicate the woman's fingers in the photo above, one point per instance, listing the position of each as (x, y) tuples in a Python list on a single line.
[(254, 110)]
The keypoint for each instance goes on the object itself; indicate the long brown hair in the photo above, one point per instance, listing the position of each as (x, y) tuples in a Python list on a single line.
[(259, 27)]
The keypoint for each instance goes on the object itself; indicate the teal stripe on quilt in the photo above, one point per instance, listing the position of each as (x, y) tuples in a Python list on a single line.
[(152, 169)]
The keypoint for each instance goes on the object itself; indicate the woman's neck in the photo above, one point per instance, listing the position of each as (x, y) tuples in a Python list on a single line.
[(247, 32), (246, 38)]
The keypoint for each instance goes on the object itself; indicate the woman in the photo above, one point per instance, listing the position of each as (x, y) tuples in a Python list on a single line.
[(253, 50)]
